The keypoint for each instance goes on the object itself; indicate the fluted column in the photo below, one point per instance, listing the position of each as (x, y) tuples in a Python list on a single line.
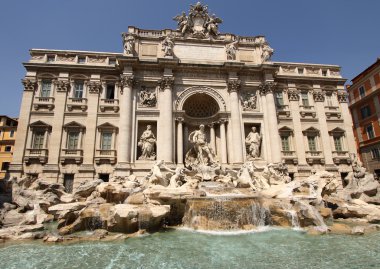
[(125, 121), (179, 140), (165, 124), (233, 87), (267, 89), (223, 142)]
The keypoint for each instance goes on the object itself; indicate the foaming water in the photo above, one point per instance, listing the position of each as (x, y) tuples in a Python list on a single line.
[(186, 249), (231, 232)]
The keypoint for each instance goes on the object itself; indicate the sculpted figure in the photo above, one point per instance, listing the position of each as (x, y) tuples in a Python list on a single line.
[(183, 22), (148, 98), (155, 176), (212, 25), (231, 50), (250, 102), (267, 53), (147, 142), (167, 46), (253, 141), (129, 44)]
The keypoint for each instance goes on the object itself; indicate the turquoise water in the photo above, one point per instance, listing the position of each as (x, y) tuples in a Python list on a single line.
[(186, 249)]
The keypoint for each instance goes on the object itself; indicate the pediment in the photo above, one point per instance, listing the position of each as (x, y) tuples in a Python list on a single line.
[(74, 124), (107, 125), (39, 124)]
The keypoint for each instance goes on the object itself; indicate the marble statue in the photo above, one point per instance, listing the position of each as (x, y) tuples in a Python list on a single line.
[(129, 44), (267, 53), (276, 173), (231, 49), (249, 102), (167, 46), (148, 98), (212, 25), (183, 22), (178, 178), (147, 142), (253, 141), (155, 176), (201, 153)]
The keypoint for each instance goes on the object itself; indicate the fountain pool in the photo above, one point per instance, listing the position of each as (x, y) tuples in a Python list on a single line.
[(279, 248)]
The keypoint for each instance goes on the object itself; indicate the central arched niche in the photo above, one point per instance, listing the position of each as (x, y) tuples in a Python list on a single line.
[(200, 105)]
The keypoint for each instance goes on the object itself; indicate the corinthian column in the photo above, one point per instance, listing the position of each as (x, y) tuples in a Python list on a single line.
[(223, 142), (179, 141), (267, 89), (125, 121), (233, 88), (165, 122)]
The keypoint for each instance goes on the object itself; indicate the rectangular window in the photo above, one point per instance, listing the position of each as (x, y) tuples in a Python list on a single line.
[(300, 71), (370, 132), (106, 142), (50, 58), (311, 143), (46, 88), (112, 61), (361, 92), (365, 112), (338, 143), (81, 60), (305, 98), (279, 99), (4, 166), (72, 140), (78, 89), (110, 93), (375, 153), (285, 143), (324, 73), (12, 133), (38, 140), (329, 100), (8, 148)]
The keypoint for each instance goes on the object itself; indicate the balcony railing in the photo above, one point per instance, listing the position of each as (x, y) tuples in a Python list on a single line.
[(341, 157), (289, 156), (77, 103), (39, 155), (109, 104), (314, 156), (105, 155), (307, 111), (72, 155), (43, 102)]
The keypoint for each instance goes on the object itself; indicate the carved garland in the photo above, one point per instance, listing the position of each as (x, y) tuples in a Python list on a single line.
[(200, 89)]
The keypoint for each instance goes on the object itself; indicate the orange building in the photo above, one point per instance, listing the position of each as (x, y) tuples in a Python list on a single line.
[(364, 95), (8, 128)]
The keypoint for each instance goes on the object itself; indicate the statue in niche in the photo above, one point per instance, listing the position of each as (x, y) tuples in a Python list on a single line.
[(249, 102), (129, 44), (147, 142), (201, 153), (231, 50), (167, 46), (148, 98), (253, 141), (267, 53)]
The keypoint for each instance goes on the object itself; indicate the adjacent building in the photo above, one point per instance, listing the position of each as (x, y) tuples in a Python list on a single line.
[(85, 114), (8, 128), (364, 95)]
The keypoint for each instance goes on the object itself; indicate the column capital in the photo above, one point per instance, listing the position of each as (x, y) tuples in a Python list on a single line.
[(234, 85), (318, 95), (293, 94), (342, 97), (94, 87), (62, 85), (180, 119), (127, 80), (29, 84), (267, 87), (166, 82), (211, 125), (222, 121)]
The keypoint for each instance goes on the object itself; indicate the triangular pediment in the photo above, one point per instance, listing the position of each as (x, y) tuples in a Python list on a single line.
[(285, 129), (74, 124), (39, 124), (310, 130), (337, 130), (107, 125)]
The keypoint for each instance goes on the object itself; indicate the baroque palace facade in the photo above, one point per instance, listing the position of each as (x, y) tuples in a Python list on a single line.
[(94, 114)]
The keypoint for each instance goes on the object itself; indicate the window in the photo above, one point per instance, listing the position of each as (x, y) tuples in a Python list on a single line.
[(300, 71), (72, 140), (112, 61), (338, 143), (279, 99), (45, 88), (81, 60), (106, 142), (375, 153), (38, 140), (324, 73), (110, 91), (5, 166), (8, 148), (285, 143), (329, 100), (311, 143), (78, 89), (365, 112), (50, 58), (305, 98), (370, 132), (361, 92), (12, 133)]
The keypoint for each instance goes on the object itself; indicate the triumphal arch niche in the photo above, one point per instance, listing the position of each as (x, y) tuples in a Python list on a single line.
[(190, 95)]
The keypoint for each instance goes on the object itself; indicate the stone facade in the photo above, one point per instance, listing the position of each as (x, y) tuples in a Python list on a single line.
[(365, 109), (83, 114)]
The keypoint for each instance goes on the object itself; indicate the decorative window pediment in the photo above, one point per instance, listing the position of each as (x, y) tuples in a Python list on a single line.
[(286, 130), (108, 126), (337, 131), (39, 125), (74, 125), (311, 131)]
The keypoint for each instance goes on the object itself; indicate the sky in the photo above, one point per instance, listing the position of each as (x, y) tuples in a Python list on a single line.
[(342, 32)]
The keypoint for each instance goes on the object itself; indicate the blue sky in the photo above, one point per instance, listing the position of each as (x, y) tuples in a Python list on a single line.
[(343, 32)]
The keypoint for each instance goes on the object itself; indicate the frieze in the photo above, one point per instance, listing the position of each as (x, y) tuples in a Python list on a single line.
[(249, 101), (62, 58), (29, 85), (288, 69), (334, 73), (62, 85), (312, 71), (38, 57), (97, 60), (147, 97)]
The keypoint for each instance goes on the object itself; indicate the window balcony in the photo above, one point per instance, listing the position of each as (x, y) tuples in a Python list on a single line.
[(105, 156), (77, 104), (109, 104), (283, 111), (36, 155), (44, 103), (71, 156), (314, 157), (289, 156), (341, 157), (332, 112), (307, 111)]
